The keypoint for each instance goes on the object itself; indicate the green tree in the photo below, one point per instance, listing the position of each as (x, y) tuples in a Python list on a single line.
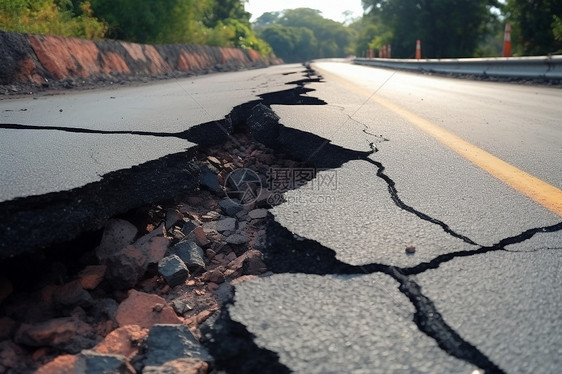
[(446, 28), (135, 20), (303, 34), (51, 17), (536, 26), (227, 9)]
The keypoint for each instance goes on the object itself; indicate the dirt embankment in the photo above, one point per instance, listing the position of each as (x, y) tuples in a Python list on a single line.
[(31, 62)]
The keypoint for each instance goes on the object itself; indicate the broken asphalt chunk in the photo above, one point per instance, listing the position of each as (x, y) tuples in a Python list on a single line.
[(173, 270), (191, 254), (169, 342)]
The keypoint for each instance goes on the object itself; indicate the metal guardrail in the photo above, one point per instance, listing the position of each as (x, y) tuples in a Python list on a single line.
[(546, 67)]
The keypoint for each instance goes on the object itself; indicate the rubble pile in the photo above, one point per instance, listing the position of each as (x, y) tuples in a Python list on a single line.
[(137, 302)]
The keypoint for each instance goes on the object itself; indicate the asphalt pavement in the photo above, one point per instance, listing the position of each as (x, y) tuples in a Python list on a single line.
[(478, 292), (486, 269), (91, 133)]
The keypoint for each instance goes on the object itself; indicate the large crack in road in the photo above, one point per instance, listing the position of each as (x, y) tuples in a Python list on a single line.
[(232, 345), (287, 254)]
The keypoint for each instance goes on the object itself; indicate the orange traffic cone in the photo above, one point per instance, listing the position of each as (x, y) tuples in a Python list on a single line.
[(507, 41), (418, 49)]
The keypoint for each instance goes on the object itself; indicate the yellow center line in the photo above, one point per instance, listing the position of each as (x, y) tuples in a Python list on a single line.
[(539, 191)]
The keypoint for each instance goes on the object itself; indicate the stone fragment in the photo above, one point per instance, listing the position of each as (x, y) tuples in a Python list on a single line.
[(227, 224), (210, 216), (179, 366), (105, 307), (264, 125), (210, 253), (230, 206), (72, 293), (64, 364), (169, 342), (410, 249), (123, 341), (172, 218), (188, 227), (249, 263), (153, 245), (173, 270), (91, 362), (257, 213), (190, 253), (138, 309), (231, 256), (55, 332), (92, 276), (117, 234), (215, 276), (181, 306), (204, 315), (126, 267), (237, 239), (208, 179), (214, 161)]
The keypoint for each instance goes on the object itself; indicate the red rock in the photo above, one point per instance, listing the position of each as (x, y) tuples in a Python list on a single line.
[(199, 237), (123, 341), (72, 293), (157, 64), (179, 366), (231, 256), (215, 276), (250, 263), (51, 333), (117, 234), (92, 276), (126, 267), (64, 364), (113, 63), (135, 51), (138, 309), (39, 353), (212, 286), (242, 279), (204, 315), (66, 57), (154, 248), (210, 254)]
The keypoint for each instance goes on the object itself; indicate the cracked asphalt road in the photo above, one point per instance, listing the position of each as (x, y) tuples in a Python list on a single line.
[(494, 310), (482, 291)]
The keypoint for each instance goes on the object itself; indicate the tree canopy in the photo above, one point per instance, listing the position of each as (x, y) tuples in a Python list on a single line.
[(446, 28), (302, 34)]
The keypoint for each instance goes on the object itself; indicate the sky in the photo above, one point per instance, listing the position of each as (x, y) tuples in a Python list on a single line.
[(332, 9)]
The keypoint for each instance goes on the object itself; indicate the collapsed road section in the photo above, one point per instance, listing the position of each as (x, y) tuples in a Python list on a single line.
[(255, 296)]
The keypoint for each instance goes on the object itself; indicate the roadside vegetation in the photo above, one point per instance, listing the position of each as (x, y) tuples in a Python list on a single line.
[(463, 28)]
